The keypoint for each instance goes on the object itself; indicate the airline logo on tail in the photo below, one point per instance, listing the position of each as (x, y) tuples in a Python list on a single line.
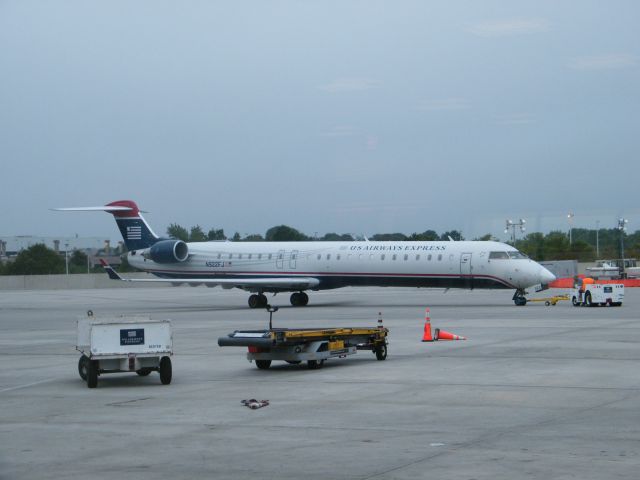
[(134, 232)]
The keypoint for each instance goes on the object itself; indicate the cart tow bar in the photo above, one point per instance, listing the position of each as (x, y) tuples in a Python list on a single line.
[(271, 310)]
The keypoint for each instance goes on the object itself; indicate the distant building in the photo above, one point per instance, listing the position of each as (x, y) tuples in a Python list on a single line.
[(94, 247)]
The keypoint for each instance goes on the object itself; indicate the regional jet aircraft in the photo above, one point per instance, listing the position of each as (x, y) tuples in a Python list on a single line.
[(274, 267)]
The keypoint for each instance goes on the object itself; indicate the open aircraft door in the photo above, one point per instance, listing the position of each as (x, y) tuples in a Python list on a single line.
[(466, 270)]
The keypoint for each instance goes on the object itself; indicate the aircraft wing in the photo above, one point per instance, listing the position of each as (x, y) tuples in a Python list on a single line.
[(294, 283)]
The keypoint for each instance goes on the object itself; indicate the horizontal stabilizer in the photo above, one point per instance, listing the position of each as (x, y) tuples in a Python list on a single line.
[(113, 275), (104, 208)]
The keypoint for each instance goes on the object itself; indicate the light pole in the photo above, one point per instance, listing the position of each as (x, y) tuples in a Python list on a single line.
[(66, 256), (570, 219), (597, 238), (622, 226), (512, 225)]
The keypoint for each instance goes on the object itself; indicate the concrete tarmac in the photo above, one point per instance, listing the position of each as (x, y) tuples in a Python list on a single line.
[(535, 391)]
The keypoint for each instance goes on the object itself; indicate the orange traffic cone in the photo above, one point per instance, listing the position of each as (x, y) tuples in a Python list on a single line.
[(426, 336), (442, 335)]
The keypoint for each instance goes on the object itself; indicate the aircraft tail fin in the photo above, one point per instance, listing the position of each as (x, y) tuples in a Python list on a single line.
[(135, 231)]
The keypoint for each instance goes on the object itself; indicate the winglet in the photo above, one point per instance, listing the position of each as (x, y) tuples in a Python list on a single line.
[(113, 275)]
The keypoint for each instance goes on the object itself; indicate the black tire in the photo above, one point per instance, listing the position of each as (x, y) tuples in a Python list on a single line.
[(587, 300), (143, 372), (295, 299), (381, 352), (520, 301), (166, 370), (263, 364), (263, 300), (547, 303), (92, 374), (574, 302), (83, 366), (304, 299), (254, 301), (315, 364), (293, 362), (299, 299)]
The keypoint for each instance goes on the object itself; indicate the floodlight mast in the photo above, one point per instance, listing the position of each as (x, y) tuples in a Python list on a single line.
[(622, 226), (570, 216), (512, 225)]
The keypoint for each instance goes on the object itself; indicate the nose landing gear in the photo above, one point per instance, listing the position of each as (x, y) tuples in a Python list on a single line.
[(519, 298)]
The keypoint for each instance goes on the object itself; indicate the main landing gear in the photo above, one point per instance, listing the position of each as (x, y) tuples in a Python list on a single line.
[(257, 301), (297, 299), (519, 299)]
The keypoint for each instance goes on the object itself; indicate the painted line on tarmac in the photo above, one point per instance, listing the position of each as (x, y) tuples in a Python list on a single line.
[(26, 385)]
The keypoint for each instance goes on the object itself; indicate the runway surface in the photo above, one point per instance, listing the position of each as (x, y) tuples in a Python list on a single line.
[(535, 391)]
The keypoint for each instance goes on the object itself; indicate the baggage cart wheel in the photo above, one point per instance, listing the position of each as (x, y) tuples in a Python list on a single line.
[(381, 352), (165, 370), (315, 364), (574, 302), (293, 362), (83, 365), (263, 364), (143, 372), (92, 374)]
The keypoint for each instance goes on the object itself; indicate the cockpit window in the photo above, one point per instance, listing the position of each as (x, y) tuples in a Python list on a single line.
[(498, 255), (517, 255)]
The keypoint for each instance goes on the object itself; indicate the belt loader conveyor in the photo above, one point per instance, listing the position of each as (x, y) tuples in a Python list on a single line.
[(307, 344)]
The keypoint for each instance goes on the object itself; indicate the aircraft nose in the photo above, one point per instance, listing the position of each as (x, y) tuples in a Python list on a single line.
[(546, 276)]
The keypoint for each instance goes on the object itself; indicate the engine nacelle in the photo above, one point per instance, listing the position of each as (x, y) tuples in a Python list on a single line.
[(169, 251)]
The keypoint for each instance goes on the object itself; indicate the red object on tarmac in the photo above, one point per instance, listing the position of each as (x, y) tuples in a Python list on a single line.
[(426, 336), (442, 335)]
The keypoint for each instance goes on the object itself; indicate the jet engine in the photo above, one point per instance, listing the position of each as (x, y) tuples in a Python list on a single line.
[(168, 251)]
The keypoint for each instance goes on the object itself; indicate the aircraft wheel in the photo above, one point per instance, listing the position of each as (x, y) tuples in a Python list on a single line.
[(263, 300), (520, 301), (299, 299), (304, 299), (254, 301)]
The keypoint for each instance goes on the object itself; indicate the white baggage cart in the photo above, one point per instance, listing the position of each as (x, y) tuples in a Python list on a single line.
[(124, 344)]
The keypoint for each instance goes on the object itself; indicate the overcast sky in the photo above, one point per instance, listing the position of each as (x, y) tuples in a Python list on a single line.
[(345, 116)]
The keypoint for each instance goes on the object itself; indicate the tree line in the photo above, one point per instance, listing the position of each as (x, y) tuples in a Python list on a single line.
[(584, 246)]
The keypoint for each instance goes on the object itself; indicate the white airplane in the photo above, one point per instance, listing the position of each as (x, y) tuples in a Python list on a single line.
[(273, 267)]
